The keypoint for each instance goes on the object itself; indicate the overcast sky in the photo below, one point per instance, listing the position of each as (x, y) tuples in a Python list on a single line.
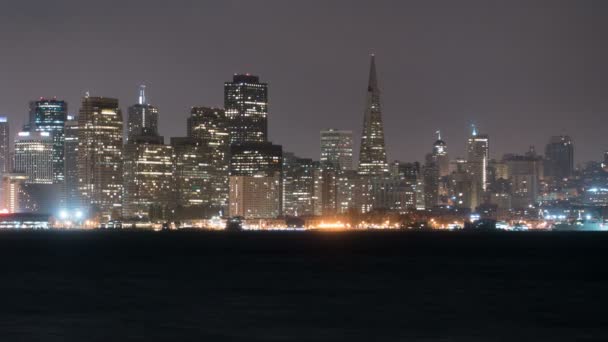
[(521, 70)]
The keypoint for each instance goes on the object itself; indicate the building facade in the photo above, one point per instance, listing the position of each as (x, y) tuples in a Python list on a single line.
[(50, 115), (256, 180)]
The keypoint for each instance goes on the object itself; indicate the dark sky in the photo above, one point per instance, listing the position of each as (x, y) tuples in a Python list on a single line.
[(521, 70)]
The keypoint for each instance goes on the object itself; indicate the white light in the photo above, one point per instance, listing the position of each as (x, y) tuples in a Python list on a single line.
[(63, 214), (78, 214)]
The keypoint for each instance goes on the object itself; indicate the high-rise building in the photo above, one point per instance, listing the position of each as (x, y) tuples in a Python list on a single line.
[(4, 146), (430, 176), (256, 180), (142, 116), (34, 156), (298, 185), (193, 178), (440, 155), (72, 194), (246, 105), (100, 136), (209, 125), (525, 175), (559, 157), (50, 115), (148, 176), (478, 157), (372, 156), (337, 149), (12, 191)]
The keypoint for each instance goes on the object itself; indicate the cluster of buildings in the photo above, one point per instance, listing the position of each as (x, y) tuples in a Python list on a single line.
[(101, 166)]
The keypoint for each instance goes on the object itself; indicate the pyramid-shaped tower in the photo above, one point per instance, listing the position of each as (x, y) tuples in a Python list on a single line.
[(372, 156)]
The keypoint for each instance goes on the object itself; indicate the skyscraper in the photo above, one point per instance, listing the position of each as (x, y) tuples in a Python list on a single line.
[(193, 178), (298, 185), (142, 116), (34, 156), (210, 127), (559, 157), (100, 136), (440, 154), (148, 176), (49, 115), (478, 156), (72, 196), (372, 156), (246, 105), (337, 149), (4, 145)]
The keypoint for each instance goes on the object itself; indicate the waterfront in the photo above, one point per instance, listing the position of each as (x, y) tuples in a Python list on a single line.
[(302, 286)]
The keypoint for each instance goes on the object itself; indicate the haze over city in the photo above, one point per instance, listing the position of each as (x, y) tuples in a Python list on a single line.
[(521, 71)]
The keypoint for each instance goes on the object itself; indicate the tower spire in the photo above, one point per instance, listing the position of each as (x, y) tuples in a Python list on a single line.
[(438, 134), (473, 130), (142, 94), (372, 84)]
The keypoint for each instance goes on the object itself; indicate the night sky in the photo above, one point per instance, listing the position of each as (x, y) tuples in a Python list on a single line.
[(521, 71)]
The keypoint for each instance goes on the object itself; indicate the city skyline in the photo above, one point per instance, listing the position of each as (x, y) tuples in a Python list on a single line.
[(437, 79)]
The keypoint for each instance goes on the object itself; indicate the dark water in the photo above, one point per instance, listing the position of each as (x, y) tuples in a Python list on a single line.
[(397, 286)]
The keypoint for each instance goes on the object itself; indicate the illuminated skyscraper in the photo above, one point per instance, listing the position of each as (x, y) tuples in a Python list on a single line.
[(246, 105), (209, 125), (100, 136), (34, 156), (71, 163), (372, 156), (337, 149), (50, 116), (142, 116), (440, 155), (4, 145), (559, 157), (298, 185), (148, 176), (478, 156)]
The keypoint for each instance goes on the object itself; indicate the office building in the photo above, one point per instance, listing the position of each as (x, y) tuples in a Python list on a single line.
[(246, 106), (142, 116), (34, 156), (72, 194), (440, 156), (209, 125), (256, 180), (559, 157), (478, 156), (298, 185), (148, 177), (100, 138), (50, 115), (12, 192), (337, 149)]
